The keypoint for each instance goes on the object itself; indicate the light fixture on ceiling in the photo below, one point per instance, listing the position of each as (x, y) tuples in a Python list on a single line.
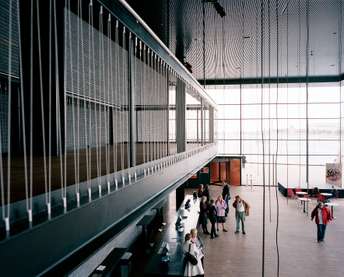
[(219, 9)]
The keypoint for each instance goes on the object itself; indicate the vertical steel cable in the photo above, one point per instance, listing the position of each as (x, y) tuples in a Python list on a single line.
[(270, 161), (93, 134), (23, 124), (108, 101), (277, 138), (2, 185), (203, 40), (307, 121), (50, 110), (117, 91), (31, 113), (139, 108), (143, 103), (340, 23), (117, 100), (77, 101), (241, 69), (101, 96), (298, 74), (154, 104), (112, 97), (89, 110), (262, 22), (84, 105), (9, 111), (287, 144), (62, 149), (42, 104), (122, 92)]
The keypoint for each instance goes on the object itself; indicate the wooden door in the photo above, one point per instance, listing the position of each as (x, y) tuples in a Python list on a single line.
[(235, 172)]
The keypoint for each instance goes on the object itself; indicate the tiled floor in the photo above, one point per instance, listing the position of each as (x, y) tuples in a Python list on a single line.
[(300, 255)]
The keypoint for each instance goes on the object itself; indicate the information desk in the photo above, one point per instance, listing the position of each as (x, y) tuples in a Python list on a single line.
[(175, 267)]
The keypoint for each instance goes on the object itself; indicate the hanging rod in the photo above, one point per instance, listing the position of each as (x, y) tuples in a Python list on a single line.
[(128, 17)]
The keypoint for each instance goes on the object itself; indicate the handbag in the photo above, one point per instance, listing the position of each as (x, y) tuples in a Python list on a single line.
[(190, 258)]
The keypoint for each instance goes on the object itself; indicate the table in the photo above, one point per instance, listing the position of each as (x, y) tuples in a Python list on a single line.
[(304, 200), (301, 193), (326, 194), (331, 204)]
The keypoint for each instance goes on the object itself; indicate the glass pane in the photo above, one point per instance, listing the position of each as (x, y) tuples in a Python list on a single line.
[(323, 110)]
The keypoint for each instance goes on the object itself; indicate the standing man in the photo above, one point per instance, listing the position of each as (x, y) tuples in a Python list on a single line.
[(212, 215), (322, 217), (241, 210), (226, 195)]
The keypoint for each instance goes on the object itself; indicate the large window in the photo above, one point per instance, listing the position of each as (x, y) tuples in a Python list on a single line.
[(241, 113)]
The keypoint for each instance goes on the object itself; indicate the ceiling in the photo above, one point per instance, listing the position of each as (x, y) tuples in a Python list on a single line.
[(232, 43)]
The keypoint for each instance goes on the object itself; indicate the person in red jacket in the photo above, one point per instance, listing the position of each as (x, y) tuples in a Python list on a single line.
[(322, 216)]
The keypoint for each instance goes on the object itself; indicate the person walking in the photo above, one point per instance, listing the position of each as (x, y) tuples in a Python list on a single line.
[(206, 192), (190, 247), (241, 210), (200, 191), (322, 216), (212, 215), (203, 214), (226, 195), (221, 207)]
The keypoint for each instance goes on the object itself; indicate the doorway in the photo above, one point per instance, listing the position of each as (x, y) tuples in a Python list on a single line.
[(228, 170)]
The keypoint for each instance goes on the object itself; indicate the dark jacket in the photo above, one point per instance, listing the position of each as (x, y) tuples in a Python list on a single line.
[(203, 209), (212, 213), (226, 193)]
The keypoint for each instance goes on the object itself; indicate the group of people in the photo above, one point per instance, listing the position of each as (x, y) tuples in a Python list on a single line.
[(217, 211)]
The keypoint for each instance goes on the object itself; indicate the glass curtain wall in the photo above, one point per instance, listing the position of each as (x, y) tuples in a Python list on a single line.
[(238, 129)]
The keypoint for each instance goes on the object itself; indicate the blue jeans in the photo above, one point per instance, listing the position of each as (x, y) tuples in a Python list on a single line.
[(240, 216), (321, 231)]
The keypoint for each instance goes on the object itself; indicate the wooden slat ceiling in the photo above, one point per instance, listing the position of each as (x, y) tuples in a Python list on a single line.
[(229, 55)]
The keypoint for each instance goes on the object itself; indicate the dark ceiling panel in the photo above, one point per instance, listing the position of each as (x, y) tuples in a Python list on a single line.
[(232, 43)]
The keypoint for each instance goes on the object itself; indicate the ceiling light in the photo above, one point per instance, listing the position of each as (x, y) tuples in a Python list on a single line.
[(219, 9)]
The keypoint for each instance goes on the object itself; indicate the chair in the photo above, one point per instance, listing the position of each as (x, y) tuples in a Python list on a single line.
[(321, 198), (291, 194)]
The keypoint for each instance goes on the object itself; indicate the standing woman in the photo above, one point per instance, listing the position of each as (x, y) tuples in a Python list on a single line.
[(322, 216), (203, 214), (221, 207), (190, 269)]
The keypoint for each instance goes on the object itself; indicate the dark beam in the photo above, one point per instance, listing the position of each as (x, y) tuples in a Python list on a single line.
[(273, 80)]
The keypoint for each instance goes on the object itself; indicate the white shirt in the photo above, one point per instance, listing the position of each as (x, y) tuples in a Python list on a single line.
[(320, 216), (240, 207)]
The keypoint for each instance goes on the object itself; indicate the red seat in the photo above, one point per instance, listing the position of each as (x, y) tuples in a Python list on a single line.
[(291, 193), (321, 198)]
